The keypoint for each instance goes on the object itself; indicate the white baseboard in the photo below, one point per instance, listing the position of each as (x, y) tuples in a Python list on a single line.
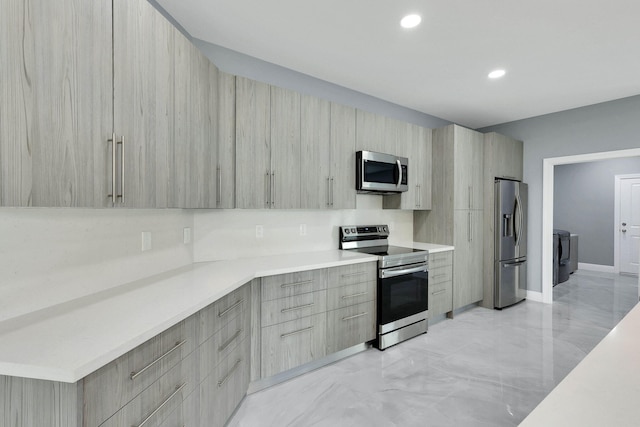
[(596, 267), (534, 296)]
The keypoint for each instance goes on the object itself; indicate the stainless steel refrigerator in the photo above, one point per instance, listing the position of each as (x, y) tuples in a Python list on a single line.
[(510, 258)]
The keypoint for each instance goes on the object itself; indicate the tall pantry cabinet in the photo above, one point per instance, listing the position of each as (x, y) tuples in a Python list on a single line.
[(456, 216), (103, 103)]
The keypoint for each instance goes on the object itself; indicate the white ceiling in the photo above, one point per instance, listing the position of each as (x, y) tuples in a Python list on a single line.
[(559, 54)]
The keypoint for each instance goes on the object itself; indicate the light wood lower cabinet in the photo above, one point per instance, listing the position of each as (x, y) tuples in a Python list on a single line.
[(440, 283), (351, 325)]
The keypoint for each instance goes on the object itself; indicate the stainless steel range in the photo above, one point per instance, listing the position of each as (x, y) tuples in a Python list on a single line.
[(402, 300)]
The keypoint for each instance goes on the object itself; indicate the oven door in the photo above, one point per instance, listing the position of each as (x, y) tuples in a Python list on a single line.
[(402, 296)]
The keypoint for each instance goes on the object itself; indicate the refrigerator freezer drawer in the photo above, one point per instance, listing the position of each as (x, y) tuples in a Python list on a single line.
[(510, 282)]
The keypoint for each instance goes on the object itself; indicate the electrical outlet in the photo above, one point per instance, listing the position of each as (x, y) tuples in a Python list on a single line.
[(146, 241), (186, 235), (259, 232), (303, 229)]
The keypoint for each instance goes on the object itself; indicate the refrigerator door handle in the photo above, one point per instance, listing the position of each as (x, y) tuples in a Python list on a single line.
[(513, 264), (518, 212)]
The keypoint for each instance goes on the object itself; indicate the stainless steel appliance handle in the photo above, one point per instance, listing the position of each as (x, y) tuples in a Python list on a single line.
[(513, 264), (399, 166), (518, 212), (401, 271)]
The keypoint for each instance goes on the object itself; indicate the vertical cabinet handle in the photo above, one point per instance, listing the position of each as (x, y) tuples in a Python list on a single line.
[(328, 191), (332, 191), (267, 189), (273, 189), (113, 169), (470, 198), (122, 171), (469, 227), (219, 193)]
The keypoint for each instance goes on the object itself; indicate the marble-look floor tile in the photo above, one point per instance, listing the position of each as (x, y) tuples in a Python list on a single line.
[(484, 368)]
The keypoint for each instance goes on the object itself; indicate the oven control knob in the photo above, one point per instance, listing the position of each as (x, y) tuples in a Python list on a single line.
[(385, 229), (346, 231), (353, 230)]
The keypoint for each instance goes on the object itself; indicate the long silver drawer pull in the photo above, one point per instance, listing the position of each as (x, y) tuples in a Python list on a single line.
[(355, 316), (122, 172), (226, 378), (288, 285), (440, 275), (113, 169), (359, 273), (300, 307), (222, 313), (354, 295), (439, 292), (299, 331), (177, 390), (229, 341), (135, 375)]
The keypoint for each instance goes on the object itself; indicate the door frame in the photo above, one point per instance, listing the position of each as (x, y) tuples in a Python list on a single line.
[(616, 219), (547, 207)]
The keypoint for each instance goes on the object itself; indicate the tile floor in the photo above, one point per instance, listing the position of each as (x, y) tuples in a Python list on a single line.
[(484, 368)]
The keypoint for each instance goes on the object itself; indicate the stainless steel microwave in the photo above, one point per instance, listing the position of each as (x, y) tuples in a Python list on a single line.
[(381, 173)]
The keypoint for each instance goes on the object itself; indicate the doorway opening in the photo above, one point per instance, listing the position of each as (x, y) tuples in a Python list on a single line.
[(548, 166)]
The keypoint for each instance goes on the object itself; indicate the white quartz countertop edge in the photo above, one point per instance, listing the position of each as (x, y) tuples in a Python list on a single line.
[(603, 389), (69, 341)]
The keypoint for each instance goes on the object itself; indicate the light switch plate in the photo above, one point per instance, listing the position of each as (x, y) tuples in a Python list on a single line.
[(186, 235), (146, 241), (259, 232), (303, 229)]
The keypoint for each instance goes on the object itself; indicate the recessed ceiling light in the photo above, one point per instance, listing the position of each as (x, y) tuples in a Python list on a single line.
[(496, 74), (410, 21)]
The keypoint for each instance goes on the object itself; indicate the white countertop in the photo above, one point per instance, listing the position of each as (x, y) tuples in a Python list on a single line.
[(69, 341), (431, 247), (604, 389)]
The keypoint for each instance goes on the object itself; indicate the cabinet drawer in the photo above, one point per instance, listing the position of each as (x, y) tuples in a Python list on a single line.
[(218, 314), (109, 388), (440, 298), (350, 326), (295, 307), (224, 388), (223, 342), (352, 273), (440, 274), (440, 259), (160, 399), (345, 296), (291, 344), (187, 414), (286, 285)]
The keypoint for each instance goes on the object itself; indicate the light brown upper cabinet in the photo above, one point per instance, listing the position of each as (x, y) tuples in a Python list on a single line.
[(327, 154), (267, 146), (55, 102), (93, 117), (416, 145)]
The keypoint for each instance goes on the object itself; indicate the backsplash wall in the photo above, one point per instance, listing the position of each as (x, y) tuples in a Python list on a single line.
[(49, 256), (231, 234)]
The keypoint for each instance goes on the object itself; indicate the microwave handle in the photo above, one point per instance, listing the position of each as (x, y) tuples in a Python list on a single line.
[(399, 166)]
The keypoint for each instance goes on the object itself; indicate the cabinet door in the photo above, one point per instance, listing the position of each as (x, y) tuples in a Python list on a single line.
[(226, 128), (285, 148), (350, 326), (343, 157), (253, 144), (315, 147), (370, 133), (468, 256), (193, 144), (55, 102), (422, 150), (144, 60), (469, 167)]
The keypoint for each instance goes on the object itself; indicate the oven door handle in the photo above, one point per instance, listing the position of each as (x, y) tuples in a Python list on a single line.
[(395, 272)]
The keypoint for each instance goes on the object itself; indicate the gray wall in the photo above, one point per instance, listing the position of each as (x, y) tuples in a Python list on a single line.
[(609, 126), (583, 204)]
